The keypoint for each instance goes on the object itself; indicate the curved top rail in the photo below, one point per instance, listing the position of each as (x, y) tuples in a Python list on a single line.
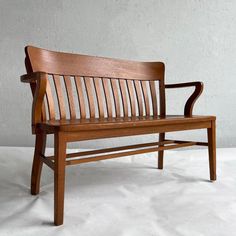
[(75, 64)]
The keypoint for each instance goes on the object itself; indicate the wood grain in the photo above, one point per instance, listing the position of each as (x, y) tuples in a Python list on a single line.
[(88, 85), (116, 92), (90, 66), (123, 87), (108, 97), (60, 96), (146, 98), (99, 93), (70, 96), (80, 94)]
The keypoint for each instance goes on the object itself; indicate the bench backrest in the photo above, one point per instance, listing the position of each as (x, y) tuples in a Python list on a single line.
[(81, 86)]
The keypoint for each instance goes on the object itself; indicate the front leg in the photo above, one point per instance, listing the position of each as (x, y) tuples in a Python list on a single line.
[(40, 145), (59, 177)]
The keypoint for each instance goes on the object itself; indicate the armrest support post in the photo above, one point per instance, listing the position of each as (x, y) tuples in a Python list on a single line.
[(38, 82), (188, 108), (32, 77)]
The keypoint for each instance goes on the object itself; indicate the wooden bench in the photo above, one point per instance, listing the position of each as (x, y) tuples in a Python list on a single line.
[(78, 97)]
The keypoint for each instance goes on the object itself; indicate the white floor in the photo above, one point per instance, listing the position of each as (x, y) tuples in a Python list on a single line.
[(123, 197)]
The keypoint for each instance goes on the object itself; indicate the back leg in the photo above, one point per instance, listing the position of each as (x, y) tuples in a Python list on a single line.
[(40, 145), (161, 153)]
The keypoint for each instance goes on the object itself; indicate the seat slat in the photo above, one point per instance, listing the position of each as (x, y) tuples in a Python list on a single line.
[(132, 96), (88, 85), (138, 90), (123, 87), (99, 89), (60, 97), (154, 98), (115, 90), (80, 93), (50, 102), (146, 97), (108, 97), (70, 96)]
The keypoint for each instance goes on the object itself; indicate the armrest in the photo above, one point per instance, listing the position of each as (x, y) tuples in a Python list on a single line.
[(32, 77), (38, 82), (188, 108)]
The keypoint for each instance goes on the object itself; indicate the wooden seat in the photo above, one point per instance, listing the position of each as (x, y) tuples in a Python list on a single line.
[(122, 122), (78, 97)]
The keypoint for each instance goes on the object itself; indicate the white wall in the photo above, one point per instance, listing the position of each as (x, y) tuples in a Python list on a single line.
[(196, 40)]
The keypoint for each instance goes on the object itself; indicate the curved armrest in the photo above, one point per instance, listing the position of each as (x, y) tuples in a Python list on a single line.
[(38, 82), (32, 77), (188, 108)]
